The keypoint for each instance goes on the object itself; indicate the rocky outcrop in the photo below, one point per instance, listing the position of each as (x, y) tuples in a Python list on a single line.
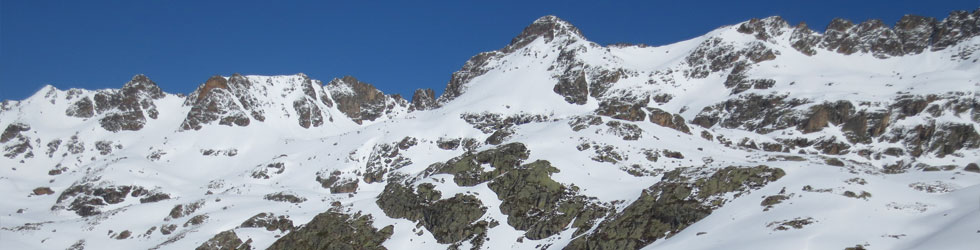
[(226, 240), (423, 99), (716, 54), (467, 169), (218, 100), (955, 28), (621, 110), (666, 119), (764, 29), (449, 220), (334, 229), (270, 222), (535, 203), (362, 101), (677, 201), (87, 199), (124, 109)]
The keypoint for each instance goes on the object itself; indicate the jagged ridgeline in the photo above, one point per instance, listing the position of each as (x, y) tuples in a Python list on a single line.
[(755, 135)]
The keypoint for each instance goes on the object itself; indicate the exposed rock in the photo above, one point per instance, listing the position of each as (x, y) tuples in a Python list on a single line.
[(537, 204), (757, 113), (915, 32), (42, 191), (385, 158), (972, 167), (196, 220), (449, 220), (828, 113), (575, 89), (625, 130), (226, 240), (475, 66), (666, 119), (467, 169), (123, 109), (181, 210), (13, 130), (87, 199), (423, 99), (672, 204), (547, 28), (784, 225), (955, 28), (362, 101), (284, 197), (715, 54), (124, 235), (270, 222), (622, 111), (492, 122), (804, 40), (338, 184), (579, 123), (764, 29), (216, 100), (335, 230)]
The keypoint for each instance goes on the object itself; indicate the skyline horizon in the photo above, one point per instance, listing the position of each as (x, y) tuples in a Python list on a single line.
[(186, 84)]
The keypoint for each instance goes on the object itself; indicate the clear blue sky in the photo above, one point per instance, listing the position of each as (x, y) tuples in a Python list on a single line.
[(396, 46)]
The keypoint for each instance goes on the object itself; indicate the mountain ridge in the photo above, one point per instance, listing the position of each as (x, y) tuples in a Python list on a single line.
[(737, 138)]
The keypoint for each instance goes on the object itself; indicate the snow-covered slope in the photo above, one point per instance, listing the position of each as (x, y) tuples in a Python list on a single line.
[(755, 135)]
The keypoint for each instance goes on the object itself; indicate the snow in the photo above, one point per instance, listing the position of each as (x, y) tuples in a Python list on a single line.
[(519, 84)]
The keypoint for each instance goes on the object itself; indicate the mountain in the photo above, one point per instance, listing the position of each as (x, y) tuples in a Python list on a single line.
[(756, 135)]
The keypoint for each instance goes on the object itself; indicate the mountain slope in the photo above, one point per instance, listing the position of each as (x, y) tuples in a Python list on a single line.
[(758, 134)]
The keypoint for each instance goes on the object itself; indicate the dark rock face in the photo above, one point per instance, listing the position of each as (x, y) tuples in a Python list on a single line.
[(752, 112), (17, 142), (467, 170), (361, 101), (490, 122), (270, 222), (338, 184), (335, 230), (915, 32), (537, 204), (574, 89), (423, 99), (911, 35), (622, 111), (671, 205), (226, 240), (217, 100), (666, 119), (804, 39), (450, 220), (86, 199), (871, 36), (955, 28), (764, 29), (13, 131), (384, 158), (715, 54), (547, 28), (284, 197), (310, 114), (123, 109)]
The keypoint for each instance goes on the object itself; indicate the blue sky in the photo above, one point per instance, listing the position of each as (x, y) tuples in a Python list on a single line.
[(396, 46)]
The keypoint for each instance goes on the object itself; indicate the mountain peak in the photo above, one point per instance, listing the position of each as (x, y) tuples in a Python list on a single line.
[(141, 83), (548, 27)]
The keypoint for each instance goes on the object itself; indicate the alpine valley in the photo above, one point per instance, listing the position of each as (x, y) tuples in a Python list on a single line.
[(757, 135)]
